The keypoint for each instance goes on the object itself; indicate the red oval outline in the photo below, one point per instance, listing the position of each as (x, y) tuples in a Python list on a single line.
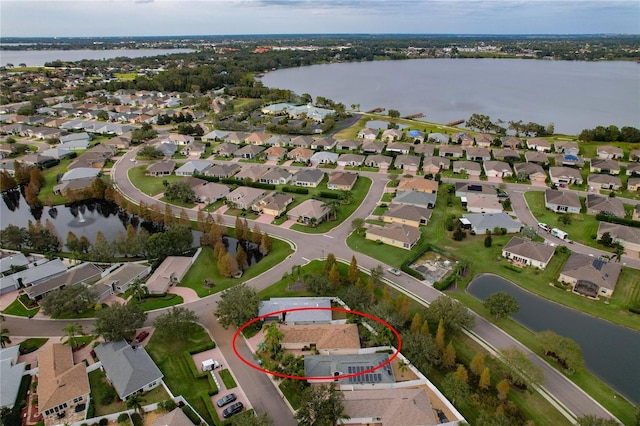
[(325, 378)]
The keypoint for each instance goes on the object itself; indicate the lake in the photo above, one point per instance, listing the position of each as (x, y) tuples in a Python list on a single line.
[(572, 95), (610, 351), (35, 58)]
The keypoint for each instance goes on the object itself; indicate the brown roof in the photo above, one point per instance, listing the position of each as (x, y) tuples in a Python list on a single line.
[(418, 184), (408, 212), (173, 418), (600, 272), (398, 232), (529, 249), (394, 407), (342, 178), (161, 166), (562, 198), (325, 336), (59, 380)]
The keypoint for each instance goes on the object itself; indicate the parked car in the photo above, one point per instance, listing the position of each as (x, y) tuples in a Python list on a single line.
[(235, 408), (394, 271), (227, 399), (544, 226), (141, 336)]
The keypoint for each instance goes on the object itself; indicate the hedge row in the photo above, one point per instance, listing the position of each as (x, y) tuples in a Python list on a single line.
[(295, 190), (192, 416), (415, 274), (513, 268), (232, 181), (329, 194), (203, 347), (444, 284), (635, 310), (618, 220)]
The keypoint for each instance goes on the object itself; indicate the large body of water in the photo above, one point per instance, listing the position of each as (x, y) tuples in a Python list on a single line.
[(572, 95), (610, 351), (36, 58)]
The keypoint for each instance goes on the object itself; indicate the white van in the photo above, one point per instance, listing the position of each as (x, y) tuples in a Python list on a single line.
[(558, 233)]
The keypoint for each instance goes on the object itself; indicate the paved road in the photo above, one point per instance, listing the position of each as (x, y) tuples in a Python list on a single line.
[(315, 246)]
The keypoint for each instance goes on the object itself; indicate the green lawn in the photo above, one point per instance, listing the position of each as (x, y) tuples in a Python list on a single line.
[(46, 194), (151, 303), (227, 379), (187, 205), (32, 344), (206, 267), (168, 356), (150, 185), (18, 309), (128, 76)]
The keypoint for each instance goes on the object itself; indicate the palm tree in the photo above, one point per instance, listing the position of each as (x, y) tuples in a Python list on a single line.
[(71, 331), (135, 401), (346, 196), (619, 251), (273, 337), (4, 337), (138, 289), (332, 206)]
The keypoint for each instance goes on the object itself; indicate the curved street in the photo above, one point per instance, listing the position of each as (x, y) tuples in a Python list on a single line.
[(557, 388)]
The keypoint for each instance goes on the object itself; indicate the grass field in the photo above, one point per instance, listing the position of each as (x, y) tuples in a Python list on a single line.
[(18, 309), (227, 379), (150, 185), (125, 76), (46, 194), (151, 303)]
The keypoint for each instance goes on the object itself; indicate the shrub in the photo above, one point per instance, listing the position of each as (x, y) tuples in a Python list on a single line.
[(91, 411), (108, 397), (192, 416), (136, 419), (513, 268), (123, 417), (103, 422)]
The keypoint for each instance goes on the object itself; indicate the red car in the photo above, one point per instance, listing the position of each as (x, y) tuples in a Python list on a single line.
[(141, 336)]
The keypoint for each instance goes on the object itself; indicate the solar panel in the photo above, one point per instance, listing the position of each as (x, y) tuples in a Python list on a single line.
[(598, 264)]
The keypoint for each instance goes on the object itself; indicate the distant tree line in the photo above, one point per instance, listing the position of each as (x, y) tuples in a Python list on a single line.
[(610, 134)]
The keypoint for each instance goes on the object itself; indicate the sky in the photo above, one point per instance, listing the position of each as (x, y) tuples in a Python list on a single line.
[(71, 18)]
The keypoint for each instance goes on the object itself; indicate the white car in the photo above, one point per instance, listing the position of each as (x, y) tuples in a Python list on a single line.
[(544, 226), (394, 271)]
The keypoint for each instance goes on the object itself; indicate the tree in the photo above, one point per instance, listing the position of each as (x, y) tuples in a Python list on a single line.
[(180, 191), (477, 364), (241, 258), (135, 401), (176, 323), (449, 356), (485, 379), (566, 351), (69, 300), (592, 420), (354, 272), (394, 113), (138, 289), (334, 276), (416, 323), (119, 321), (150, 152), (454, 315), (328, 263), (521, 371), (70, 332), (501, 305), (247, 419), (488, 241), (14, 237), (421, 350), (454, 388), (265, 244), (102, 250), (462, 373), (4, 337), (440, 336), (272, 338), (7, 181), (357, 223), (237, 306), (321, 406), (318, 284), (503, 389)]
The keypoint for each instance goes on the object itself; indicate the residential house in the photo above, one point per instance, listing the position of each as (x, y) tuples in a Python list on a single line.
[(309, 111), (484, 140), (539, 144), (536, 157), (634, 155), (608, 152), (6, 150), (368, 134), (175, 417), (389, 407), (324, 144), (341, 181), (170, 272), (38, 160), (58, 152), (278, 140), (348, 145), (276, 176), (438, 138), (301, 155), (465, 139), (11, 372), (398, 147), (119, 142), (86, 273), (570, 148), (506, 154), (236, 137), (633, 184), (302, 142), (415, 198), (590, 276), (223, 171), (63, 387), (599, 204), (408, 163), (82, 136), (511, 142), (161, 168), (424, 150), (569, 160), (308, 177), (179, 139), (243, 197), (481, 204), (129, 368), (469, 167), (627, 236), (605, 166), (379, 161), (194, 150), (9, 260), (418, 184), (528, 253), (497, 169), (257, 138), (280, 108), (275, 153), (80, 173), (326, 339), (564, 176), (351, 160), (323, 368), (193, 167), (274, 204), (434, 165), (324, 157), (598, 182), (310, 212), (395, 234), (391, 135), (562, 201), (480, 223), (407, 214), (463, 189), (167, 149), (478, 154), (248, 151), (532, 171), (119, 280), (373, 147), (73, 186), (633, 169), (289, 310), (453, 151), (225, 149), (207, 192)]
